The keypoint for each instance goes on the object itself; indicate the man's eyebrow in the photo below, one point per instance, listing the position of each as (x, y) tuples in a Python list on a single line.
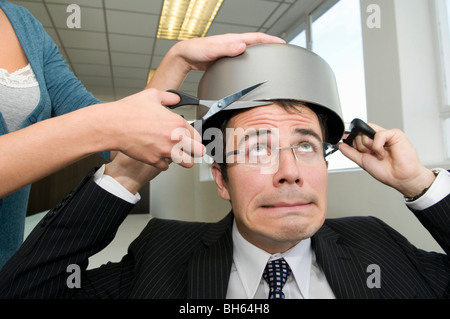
[(303, 131), (267, 131)]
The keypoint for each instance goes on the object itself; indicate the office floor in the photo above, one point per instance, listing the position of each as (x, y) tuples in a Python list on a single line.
[(128, 231)]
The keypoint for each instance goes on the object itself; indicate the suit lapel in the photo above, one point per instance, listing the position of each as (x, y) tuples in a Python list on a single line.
[(345, 269), (209, 269)]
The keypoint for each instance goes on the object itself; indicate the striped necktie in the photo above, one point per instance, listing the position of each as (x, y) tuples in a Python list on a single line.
[(276, 273)]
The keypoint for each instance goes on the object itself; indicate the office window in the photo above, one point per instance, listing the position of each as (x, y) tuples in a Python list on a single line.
[(443, 23), (446, 56), (447, 134), (446, 49), (336, 35), (300, 39)]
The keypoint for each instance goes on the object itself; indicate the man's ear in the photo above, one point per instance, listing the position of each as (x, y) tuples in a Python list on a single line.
[(221, 184)]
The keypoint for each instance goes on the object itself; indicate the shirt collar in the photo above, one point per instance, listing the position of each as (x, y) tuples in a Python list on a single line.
[(250, 262)]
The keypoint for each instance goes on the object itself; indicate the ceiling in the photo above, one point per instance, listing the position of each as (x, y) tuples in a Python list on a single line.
[(116, 45)]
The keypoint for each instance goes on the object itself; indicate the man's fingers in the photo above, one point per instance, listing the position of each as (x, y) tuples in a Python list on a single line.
[(363, 143), (351, 153)]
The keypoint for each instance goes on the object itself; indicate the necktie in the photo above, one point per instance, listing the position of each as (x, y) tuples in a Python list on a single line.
[(276, 273)]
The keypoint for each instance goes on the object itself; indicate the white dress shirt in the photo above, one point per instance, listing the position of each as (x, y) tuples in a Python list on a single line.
[(114, 187), (437, 191), (306, 280)]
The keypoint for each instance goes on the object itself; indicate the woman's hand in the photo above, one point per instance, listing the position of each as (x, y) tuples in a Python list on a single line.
[(200, 53), (143, 128)]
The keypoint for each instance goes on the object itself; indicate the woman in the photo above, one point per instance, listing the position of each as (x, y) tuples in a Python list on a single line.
[(31, 68)]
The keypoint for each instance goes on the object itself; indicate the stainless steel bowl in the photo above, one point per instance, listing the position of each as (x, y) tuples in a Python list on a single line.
[(291, 72)]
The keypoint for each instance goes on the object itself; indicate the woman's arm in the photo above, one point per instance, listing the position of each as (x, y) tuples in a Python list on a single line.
[(139, 126)]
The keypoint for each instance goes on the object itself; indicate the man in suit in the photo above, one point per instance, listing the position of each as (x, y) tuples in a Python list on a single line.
[(275, 176)]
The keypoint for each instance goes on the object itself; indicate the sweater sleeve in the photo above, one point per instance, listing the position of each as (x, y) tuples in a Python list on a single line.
[(66, 91)]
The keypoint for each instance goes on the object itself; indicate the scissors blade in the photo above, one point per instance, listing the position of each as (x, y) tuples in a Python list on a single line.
[(230, 99), (239, 104)]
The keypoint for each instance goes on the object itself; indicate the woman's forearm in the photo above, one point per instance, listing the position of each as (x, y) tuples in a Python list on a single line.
[(171, 72), (139, 126), (36, 151)]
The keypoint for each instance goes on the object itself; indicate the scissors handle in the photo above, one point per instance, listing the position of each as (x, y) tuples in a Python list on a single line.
[(185, 99), (359, 126)]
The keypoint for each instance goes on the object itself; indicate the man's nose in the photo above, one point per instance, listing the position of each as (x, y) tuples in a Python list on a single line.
[(289, 171)]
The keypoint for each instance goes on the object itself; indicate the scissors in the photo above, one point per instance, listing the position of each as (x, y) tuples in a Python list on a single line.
[(216, 106), (358, 126)]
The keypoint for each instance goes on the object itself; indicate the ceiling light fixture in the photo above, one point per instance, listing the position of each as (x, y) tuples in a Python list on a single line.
[(150, 75), (186, 19)]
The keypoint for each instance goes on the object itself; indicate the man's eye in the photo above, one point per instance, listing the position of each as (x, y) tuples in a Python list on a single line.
[(306, 147), (258, 150)]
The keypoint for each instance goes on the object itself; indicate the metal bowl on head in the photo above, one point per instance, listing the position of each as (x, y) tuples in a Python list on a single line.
[(290, 72)]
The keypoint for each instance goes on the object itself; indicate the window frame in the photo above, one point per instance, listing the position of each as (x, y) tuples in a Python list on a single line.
[(442, 19)]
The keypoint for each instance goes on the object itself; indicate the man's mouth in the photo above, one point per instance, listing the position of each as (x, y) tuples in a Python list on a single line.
[(286, 205)]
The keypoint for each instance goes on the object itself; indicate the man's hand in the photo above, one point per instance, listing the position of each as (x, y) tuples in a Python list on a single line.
[(130, 173), (391, 159)]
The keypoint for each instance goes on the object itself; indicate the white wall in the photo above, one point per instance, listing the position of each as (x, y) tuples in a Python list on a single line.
[(402, 75), (402, 78), (418, 51), (402, 92)]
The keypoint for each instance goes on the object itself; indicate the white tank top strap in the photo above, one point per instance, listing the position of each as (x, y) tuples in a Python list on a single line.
[(22, 78)]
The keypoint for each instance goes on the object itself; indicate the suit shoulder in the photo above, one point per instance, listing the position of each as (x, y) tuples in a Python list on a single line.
[(354, 221), (179, 226), (166, 232), (360, 227)]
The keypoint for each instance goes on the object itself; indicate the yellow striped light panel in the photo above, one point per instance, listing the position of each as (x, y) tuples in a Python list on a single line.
[(186, 19)]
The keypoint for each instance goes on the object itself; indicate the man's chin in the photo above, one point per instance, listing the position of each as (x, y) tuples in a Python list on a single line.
[(294, 227)]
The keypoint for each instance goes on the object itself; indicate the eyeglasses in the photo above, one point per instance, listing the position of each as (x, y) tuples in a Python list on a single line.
[(262, 154)]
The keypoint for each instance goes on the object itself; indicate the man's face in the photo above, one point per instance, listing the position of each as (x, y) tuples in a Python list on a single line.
[(276, 210)]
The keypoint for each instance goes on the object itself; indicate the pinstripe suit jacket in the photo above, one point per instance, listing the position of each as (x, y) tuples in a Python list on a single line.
[(174, 259)]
